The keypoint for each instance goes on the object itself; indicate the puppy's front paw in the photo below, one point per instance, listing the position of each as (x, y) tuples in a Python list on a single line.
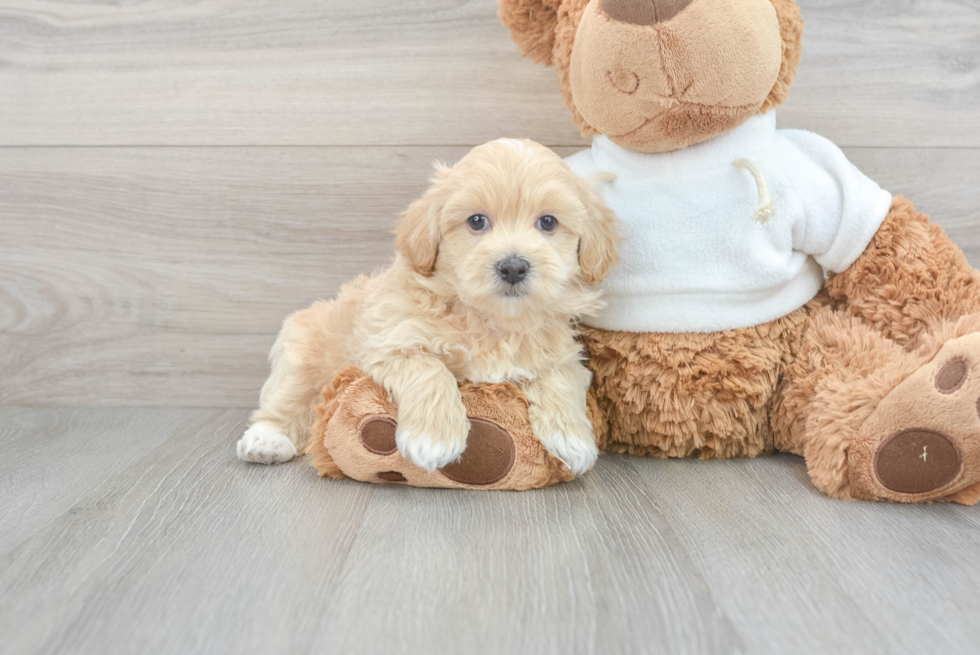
[(263, 444), (578, 455), (568, 439), (433, 440)]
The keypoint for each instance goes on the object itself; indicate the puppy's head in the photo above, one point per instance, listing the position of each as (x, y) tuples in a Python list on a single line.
[(512, 230)]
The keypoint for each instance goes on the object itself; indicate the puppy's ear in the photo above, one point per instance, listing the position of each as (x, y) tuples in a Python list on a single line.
[(598, 249), (532, 25), (417, 235)]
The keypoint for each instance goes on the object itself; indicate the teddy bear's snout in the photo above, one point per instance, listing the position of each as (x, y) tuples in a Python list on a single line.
[(643, 12)]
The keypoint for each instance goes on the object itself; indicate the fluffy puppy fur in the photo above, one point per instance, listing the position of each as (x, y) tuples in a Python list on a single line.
[(444, 312)]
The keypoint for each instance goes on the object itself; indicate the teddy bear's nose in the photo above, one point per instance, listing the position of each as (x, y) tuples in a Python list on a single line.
[(643, 12)]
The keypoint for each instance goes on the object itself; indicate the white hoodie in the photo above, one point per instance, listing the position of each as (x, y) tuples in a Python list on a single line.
[(696, 257)]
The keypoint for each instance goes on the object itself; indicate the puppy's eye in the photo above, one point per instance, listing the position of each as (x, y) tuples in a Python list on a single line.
[(547, 223), (478, 222)]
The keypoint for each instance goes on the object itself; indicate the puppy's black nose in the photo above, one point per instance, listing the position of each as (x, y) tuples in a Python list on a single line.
[(512, 269)]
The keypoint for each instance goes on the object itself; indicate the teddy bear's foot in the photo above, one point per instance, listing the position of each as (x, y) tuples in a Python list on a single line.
[(488, 458), (922, 443), (355, 438)]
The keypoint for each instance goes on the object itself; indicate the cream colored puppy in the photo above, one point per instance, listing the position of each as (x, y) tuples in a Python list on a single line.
[(496, 262)]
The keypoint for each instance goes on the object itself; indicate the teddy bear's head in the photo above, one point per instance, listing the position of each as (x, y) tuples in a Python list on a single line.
[(659, 75)]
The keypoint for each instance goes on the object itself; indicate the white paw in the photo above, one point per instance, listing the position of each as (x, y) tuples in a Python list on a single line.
[(429, 453), (566, 434), (263, 444), (434, 439), (579, 455)]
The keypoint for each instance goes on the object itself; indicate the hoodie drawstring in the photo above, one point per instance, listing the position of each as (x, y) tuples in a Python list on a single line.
[(767, 208)]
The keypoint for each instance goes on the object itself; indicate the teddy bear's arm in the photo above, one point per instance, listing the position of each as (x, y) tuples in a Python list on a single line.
[(842, 207)]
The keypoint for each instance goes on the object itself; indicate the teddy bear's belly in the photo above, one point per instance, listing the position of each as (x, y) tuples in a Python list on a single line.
[(691, 395)]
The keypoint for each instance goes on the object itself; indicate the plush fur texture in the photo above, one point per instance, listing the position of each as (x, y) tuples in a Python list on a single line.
[(336, 451), (666, 86), (657, 88), (703, 395), (532, 24), (911, 277), (865, 388), (442, 313)]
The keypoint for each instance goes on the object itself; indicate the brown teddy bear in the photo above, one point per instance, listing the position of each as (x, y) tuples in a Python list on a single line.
[(770, 297), (354, 437)]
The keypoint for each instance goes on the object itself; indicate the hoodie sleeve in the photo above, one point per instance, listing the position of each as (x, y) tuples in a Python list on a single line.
[(843, 208)]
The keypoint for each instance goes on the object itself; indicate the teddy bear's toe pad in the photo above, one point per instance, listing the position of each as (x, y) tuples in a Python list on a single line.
[(952, 375), (488, 458), (378, 435), (917, 461)]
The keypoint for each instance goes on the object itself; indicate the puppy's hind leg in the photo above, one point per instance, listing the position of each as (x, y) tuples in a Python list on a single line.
[(308, 352)]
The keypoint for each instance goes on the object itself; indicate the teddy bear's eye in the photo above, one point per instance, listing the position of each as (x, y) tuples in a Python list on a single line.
[(478, 222), (547, 223)]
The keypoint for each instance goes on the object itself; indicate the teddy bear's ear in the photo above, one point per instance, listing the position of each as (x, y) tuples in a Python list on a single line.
[(532, 25), (791, 29)]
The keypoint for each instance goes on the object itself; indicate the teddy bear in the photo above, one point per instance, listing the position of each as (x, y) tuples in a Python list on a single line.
[(353, 436), (770, 297)]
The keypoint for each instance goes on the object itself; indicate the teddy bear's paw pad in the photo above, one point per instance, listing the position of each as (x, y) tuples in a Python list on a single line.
[(488, 458), (952, 375), (917, 461), (378, 435), (391, 476), (924, 436)]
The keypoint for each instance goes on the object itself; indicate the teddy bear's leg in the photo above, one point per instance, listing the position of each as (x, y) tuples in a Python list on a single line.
[(866, 399), (879, 422), (689, 395), (354, 437), (909, 278)]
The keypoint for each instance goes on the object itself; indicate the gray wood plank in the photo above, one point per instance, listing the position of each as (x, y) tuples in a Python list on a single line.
[(182, 262), (799, 572), (889, 73), (160, 276), (439, 72), (186, 550), (587, 567), (51, 457)]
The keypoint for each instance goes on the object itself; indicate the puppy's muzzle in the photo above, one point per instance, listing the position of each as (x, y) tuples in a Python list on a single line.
[(512, 269)]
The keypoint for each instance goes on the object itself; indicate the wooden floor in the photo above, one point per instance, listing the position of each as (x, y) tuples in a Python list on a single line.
[(135, 531), (178, 175)]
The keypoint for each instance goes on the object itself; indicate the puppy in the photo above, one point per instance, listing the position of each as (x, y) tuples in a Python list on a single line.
[(496, 262)]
